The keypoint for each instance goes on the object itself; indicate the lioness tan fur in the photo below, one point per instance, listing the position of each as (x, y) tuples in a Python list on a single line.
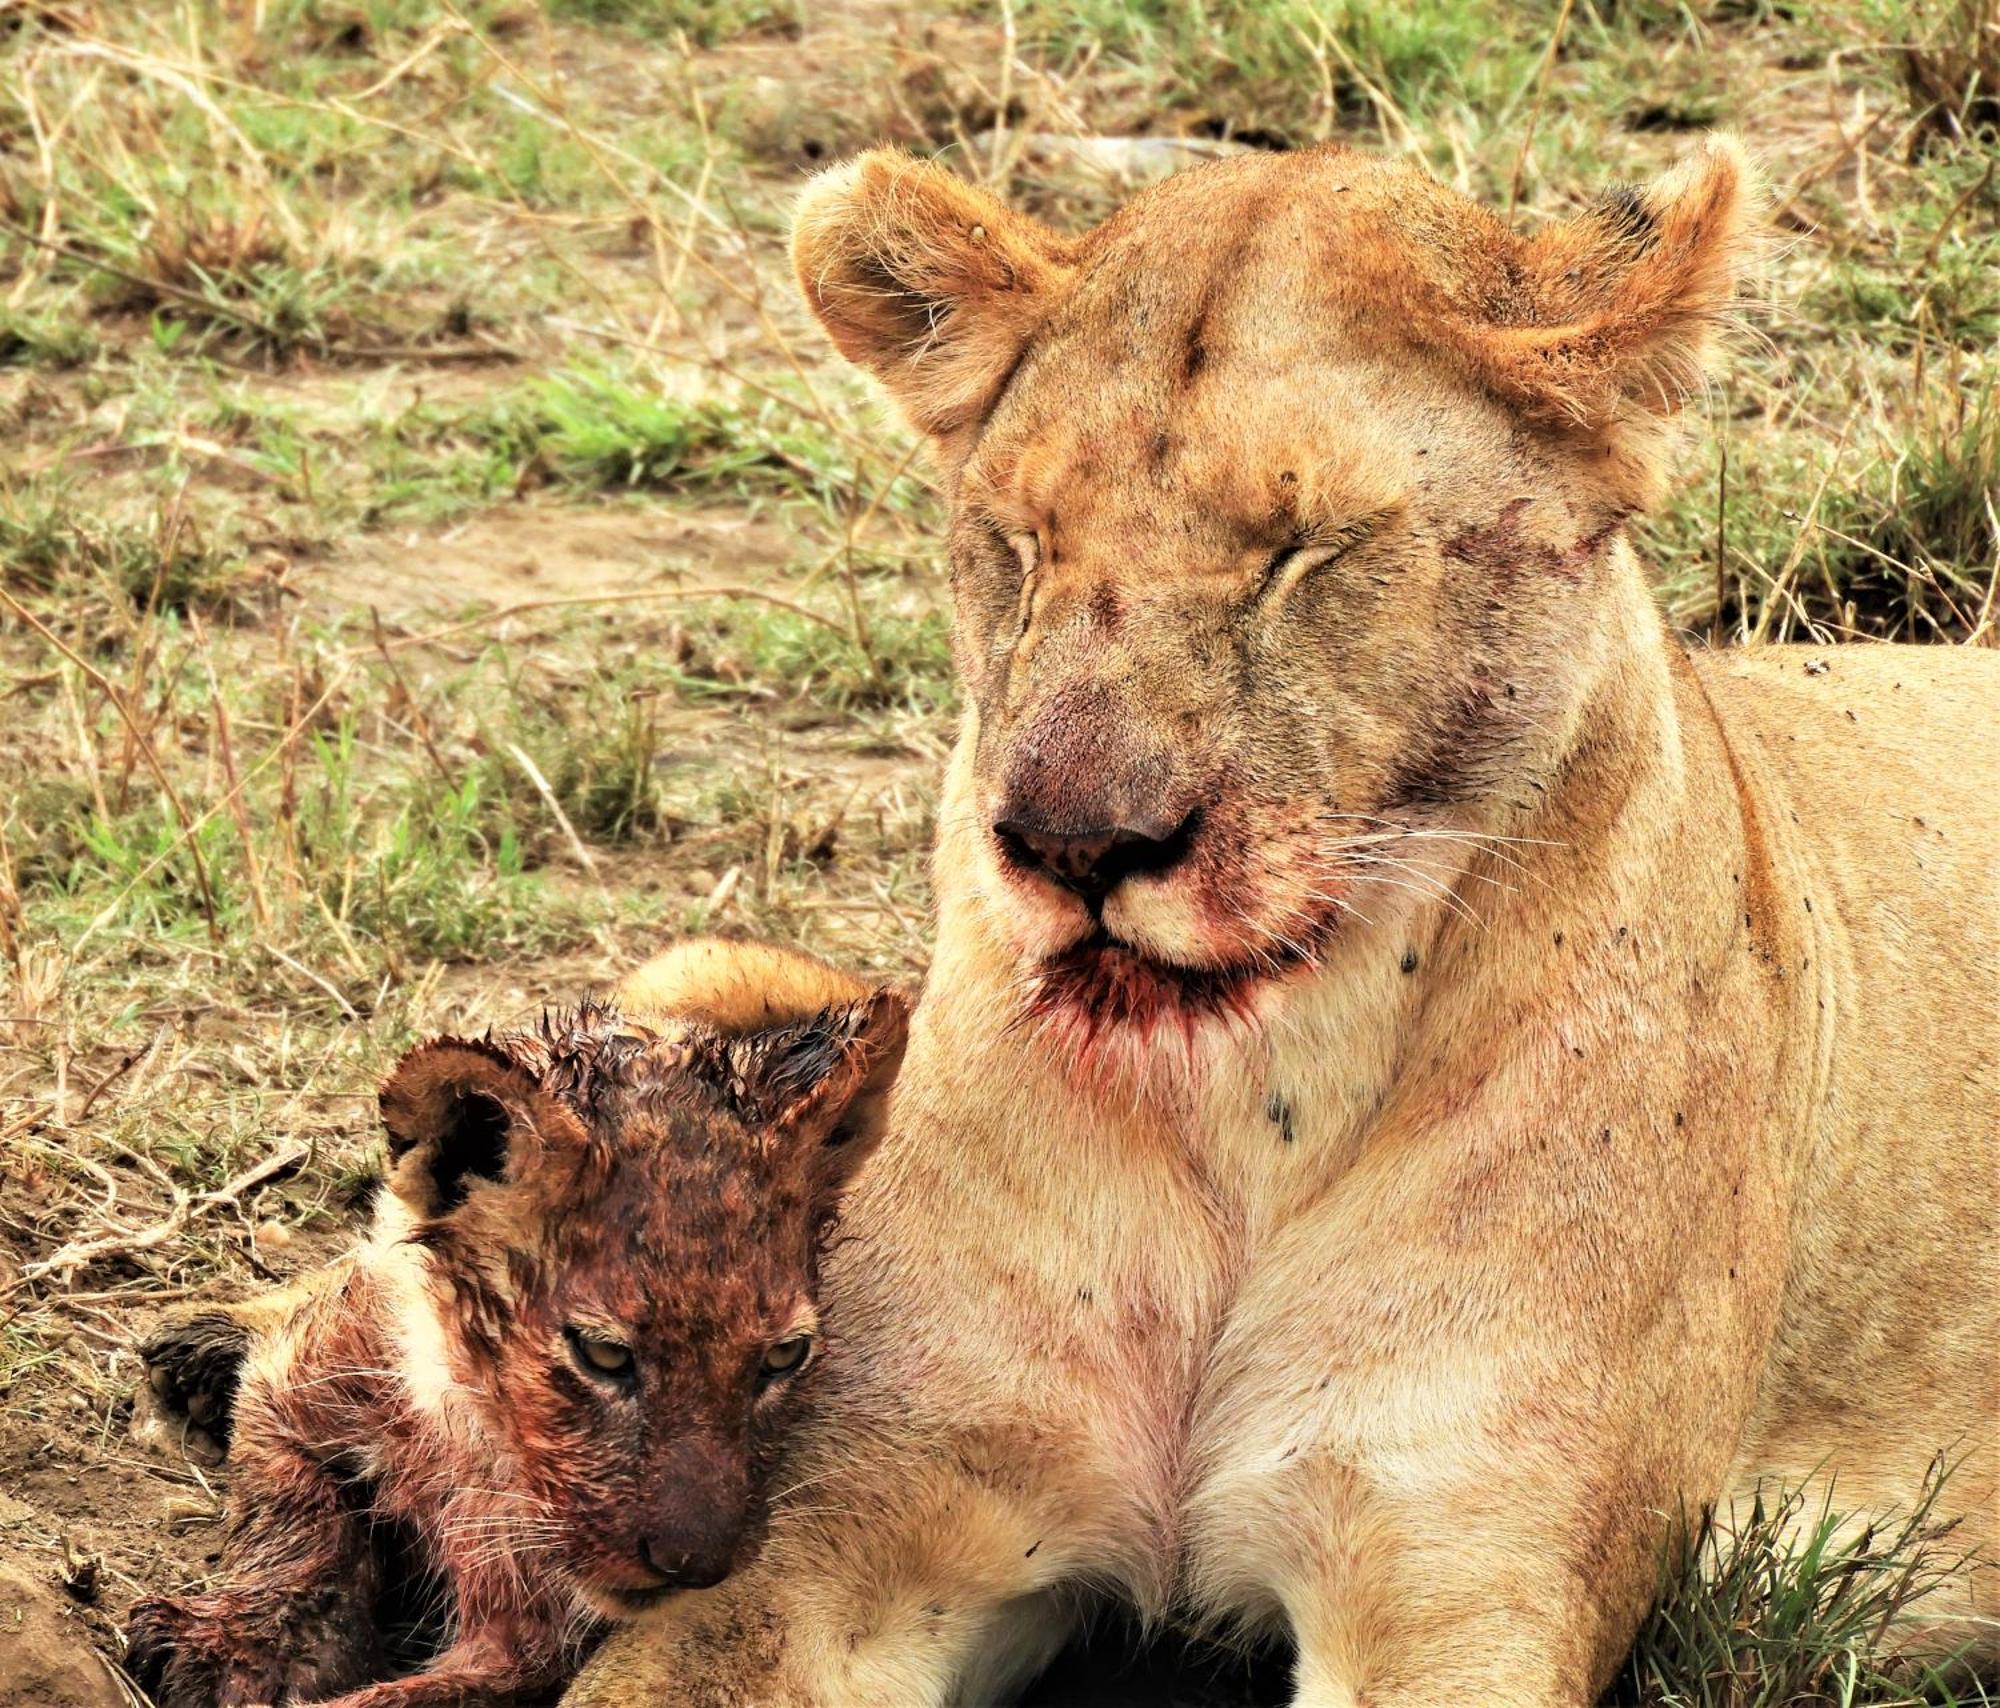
[(1423, 1079)]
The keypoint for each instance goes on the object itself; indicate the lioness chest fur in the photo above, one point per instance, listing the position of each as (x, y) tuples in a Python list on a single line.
[(1422, 1080)]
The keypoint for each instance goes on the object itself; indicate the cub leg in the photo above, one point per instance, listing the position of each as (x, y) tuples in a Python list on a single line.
[(193, 1357), (475, 1670), (519, 1644), (901, 1588), (294, 1622)]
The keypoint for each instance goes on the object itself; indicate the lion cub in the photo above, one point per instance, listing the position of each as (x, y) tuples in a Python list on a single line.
[(551, 1385)]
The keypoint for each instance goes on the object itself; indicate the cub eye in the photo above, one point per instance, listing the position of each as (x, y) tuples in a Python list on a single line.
[(786, 1357), (596, 1355)]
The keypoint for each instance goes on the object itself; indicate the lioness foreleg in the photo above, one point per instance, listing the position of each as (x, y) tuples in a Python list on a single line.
[(1464, 1495), (1400, 1619), (902, 1588)]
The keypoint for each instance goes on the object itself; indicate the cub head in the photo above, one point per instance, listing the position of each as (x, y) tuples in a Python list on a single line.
[(622, 1224), (1286, 539)]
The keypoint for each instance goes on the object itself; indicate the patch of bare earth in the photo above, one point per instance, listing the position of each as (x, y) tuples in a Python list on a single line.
[(526, 555)]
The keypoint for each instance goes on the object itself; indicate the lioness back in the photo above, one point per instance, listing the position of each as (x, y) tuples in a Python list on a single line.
[(1882, 764)]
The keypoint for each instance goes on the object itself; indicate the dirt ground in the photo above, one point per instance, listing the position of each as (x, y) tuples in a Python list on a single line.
[(441, 563)]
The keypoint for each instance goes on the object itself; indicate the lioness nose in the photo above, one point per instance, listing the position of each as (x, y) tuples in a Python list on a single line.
[(1095, 860)]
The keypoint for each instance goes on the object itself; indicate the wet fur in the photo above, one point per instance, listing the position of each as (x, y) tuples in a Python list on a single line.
[(415, 1407)]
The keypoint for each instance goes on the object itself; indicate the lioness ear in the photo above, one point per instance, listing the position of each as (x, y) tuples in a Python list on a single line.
[(929, 284), (1625, 298), (453, 1109), (825, 1082)]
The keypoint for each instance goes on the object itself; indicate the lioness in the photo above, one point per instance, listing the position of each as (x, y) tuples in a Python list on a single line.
[(1423, 1080)]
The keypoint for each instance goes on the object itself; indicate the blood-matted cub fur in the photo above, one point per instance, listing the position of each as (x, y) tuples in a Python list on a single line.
[(1423, 1078), (551, 1387)]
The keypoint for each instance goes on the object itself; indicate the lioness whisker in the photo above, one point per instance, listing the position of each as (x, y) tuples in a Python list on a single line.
[(1430, 868), (791, 1489), (1429, 890), (1403, 827)]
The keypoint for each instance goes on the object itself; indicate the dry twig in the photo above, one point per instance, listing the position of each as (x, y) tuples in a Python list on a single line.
[(78, 1253)]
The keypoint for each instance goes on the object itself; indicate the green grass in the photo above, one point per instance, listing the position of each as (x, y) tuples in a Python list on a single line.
[(314, 192), (591, 426), (1950, 51), (369, 29), (899, 660), (707, 23), (1795, 1604), (1931, 275), (1903, 543), (194, 441), (609, 775), (57, 339), (1294, 70), (324, 848), (55, 538), (607, 426)]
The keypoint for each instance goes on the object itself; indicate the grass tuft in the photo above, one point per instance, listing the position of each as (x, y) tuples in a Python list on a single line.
[(1797, 1604), (1952, 65), (1285, 72), (53, 540), (706, 23), (49, 340), (607, 426)]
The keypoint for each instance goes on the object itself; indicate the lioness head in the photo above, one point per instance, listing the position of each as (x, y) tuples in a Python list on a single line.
[(1282, 504)]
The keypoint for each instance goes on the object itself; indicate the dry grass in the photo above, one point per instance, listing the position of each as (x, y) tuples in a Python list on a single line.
[(436, 561)]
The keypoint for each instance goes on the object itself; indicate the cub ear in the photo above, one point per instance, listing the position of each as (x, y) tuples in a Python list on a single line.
[(825, 1082), (1625, 298), (932, 286), (453, 1109)]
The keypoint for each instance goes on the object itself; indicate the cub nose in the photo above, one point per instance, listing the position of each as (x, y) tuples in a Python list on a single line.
[(690, 1563), (1093, 861), (690, 1522)]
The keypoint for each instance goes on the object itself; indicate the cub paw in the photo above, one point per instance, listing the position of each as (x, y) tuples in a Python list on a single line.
[(193, 1364), (237, 1648), (176, 1654)]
